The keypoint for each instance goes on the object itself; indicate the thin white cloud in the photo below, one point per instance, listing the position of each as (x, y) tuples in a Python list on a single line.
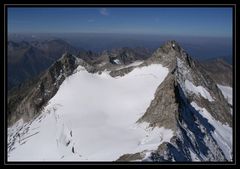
[(104, 12)]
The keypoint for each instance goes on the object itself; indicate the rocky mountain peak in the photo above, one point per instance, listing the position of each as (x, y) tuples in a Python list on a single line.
[(187, 74), (32, 96), (169, 53), (190, 92), (171, 45), (187, 102)]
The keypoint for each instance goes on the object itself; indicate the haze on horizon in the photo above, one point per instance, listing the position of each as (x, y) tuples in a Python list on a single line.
[(180, 21), (204, 31)]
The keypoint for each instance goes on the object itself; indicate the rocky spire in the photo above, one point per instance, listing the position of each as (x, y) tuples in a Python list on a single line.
[(182, 68), (171, 108)]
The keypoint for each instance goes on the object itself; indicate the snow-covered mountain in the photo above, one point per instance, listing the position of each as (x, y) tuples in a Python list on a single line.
[(165, 108)]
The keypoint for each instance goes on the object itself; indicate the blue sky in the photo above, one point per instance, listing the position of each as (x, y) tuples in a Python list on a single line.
[(213, 22)]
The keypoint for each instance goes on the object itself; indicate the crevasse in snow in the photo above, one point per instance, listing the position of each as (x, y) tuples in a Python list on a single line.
[(93, 117)]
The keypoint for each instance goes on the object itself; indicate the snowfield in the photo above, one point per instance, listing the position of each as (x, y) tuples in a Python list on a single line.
[(227, 92), (198, 90), (222, 133), (92, 117)]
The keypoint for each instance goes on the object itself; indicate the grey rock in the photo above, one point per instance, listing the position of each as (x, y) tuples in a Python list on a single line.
[(27, 101), (171, 109)]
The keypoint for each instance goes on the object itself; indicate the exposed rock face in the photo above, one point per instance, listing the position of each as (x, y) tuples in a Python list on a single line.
[(126, 55), (121, 72), (183, 67), (131, 157), (219, 70), (87, 56), (163, 110), (27, 101), (190, 138), (171, 108), (195, 137), (111, 59)]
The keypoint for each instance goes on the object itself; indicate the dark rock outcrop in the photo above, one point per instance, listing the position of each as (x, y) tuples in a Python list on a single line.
[(131, 157), (163, 110), (171, 108), (181, 68), (28, 100)]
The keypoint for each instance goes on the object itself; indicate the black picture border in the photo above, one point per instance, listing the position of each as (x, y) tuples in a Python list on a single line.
[(233, 6)]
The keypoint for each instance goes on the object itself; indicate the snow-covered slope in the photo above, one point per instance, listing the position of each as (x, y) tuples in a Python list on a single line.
[(198, 90), (166, 108), (222, 133), (190, 103), (92, 118), (227, 92)]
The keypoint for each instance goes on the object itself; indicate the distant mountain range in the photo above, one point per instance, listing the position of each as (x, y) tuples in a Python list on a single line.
[(219, 70), (198, 47), (29, 56), (28, 59)]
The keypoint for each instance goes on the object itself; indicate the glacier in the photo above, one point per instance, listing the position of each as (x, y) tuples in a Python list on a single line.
[(92, 117)]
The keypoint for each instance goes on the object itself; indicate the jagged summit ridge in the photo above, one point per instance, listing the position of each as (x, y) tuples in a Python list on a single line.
[(30, 99), (167, 55), (186, 73), (188, 89)]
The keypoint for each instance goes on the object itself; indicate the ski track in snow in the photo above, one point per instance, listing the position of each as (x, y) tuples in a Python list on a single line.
[(100, 125)]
